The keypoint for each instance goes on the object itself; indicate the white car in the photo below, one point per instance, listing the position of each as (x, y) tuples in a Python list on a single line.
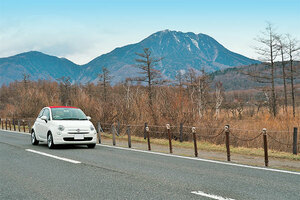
[(63, 125)]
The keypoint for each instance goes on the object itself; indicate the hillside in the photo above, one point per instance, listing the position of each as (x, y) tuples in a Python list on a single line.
[(235, 78), (38, 65)]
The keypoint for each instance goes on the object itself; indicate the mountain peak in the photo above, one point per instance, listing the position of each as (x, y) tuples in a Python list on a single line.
[(180, 50), (165, 31), (33, 54)]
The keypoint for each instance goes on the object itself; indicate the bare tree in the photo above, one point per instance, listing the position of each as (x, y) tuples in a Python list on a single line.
[(152, 76), (127, 86), (198, 89), (202, 85), (104, 81), (282, 48), (190, 79), (293, 47), (65, 89), (269, 52), (180, 81), (25, 80), (219, 97)]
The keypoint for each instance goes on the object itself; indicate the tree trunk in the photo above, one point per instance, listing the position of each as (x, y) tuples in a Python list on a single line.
[(274, 104), (284, 81), (292, 86)]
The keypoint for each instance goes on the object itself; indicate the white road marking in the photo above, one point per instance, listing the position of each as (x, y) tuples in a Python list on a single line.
[(210, 195), (53, 156), (204, 160)]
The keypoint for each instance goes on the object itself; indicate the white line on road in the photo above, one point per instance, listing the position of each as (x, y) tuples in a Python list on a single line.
[(53, 156), (204, 160), (210, 195)]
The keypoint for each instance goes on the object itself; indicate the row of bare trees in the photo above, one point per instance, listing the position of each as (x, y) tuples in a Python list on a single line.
[(190, 103), (284, 48)]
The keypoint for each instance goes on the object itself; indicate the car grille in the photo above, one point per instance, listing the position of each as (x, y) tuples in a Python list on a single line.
[(72, 139), (78, 131)]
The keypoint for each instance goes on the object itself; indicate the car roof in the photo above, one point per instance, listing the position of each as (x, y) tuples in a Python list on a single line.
[(62, 107)]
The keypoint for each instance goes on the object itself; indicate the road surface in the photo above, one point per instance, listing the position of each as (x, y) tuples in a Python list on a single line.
[(76, 172)]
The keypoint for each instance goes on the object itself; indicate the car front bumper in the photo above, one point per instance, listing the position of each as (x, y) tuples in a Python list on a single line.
[(67, 138)]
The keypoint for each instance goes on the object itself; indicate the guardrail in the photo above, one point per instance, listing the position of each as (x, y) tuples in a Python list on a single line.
[(226, 133), (168, 131), (16, 125)]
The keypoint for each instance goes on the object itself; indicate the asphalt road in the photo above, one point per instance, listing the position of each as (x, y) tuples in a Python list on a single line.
[(116, 173)]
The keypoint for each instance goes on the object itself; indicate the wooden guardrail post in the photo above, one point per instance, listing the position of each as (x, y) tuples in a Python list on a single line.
[(14, 124), (9, 124), (129, 136), (170, 137), (19, 125), (181, 132), (99, 131), (1, 123), (5, 123), (227, 131), (145, 134), (195, 141), (295, 141), (148, 138), (265, 147), (113, 134), (29, 127), (118, 128), (24, 130)]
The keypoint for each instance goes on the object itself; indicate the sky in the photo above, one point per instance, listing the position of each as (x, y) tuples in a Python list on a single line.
[(81, 30)]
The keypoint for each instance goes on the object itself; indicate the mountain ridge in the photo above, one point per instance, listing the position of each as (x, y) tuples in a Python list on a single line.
[(180, 50)]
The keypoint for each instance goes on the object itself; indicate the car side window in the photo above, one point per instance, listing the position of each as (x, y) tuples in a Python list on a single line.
[(41, 113), (47, 113)]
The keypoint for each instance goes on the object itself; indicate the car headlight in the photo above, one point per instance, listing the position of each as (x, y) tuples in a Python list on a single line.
[(61, 127), (92, 127)]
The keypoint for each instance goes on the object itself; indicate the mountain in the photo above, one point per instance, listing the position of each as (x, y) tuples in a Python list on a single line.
[(38, 66), (181, 51)]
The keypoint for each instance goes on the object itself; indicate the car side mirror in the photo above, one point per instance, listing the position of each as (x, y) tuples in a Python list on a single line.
[(88, 118), (44, 118)]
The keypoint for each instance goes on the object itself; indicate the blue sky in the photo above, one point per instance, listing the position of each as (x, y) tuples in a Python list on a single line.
[(81, 30)]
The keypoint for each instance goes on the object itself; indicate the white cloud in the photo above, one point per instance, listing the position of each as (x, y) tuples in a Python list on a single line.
[(66, 38)]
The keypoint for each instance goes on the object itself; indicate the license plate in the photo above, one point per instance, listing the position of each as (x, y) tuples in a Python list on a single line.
[(79, 137)]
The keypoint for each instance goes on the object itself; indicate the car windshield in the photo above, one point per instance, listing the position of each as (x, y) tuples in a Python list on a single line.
[(67, 114)]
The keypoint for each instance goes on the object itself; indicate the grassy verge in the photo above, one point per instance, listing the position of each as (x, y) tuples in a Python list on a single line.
[(206, 146)]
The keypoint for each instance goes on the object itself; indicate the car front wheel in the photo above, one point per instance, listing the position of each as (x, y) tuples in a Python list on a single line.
[(50, 141), (34, 141)]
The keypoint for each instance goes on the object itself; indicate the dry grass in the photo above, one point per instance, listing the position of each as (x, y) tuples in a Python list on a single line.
[(206, 146), (279, 128)]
